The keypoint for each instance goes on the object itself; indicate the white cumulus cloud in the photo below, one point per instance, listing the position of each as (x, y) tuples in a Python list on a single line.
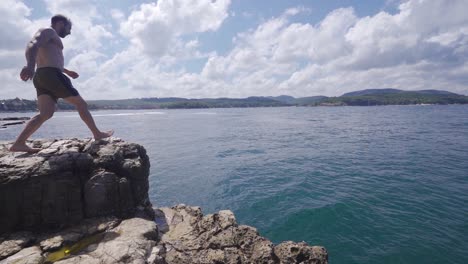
[(155, 27)]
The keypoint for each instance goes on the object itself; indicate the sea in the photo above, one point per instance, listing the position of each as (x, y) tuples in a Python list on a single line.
[(375, 184)]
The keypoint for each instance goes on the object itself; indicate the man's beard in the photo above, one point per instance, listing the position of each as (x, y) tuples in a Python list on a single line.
[(62, 33)]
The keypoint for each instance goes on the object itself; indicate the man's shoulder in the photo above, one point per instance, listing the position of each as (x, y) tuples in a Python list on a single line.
[(46, 31)]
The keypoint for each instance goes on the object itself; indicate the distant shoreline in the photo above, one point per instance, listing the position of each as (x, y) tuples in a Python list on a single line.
[(370, 97), (142, 109)]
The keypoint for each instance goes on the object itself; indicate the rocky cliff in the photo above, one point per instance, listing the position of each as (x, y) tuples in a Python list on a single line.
[(86, 201)]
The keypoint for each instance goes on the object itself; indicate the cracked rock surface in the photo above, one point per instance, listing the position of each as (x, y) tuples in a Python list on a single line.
[(70, 180), (177, 235), (186, 236)]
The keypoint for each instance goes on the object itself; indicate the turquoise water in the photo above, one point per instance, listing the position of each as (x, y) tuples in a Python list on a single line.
[(371, 184)]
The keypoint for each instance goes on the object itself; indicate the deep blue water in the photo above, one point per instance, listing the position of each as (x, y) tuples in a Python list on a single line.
[(371, 184)]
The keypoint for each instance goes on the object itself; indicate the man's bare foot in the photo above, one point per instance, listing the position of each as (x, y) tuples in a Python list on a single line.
[(105, 134), (23, 148)]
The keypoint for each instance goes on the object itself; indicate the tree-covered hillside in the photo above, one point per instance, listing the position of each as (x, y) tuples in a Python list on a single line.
[(368, 97), (393, 97)]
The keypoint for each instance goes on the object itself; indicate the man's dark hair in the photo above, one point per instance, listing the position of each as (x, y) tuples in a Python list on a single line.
[(59, 18)]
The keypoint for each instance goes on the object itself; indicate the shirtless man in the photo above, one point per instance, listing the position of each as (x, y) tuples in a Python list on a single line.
[(45, 50)]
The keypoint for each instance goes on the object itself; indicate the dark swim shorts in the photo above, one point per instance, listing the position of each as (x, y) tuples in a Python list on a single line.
[(53, 82)]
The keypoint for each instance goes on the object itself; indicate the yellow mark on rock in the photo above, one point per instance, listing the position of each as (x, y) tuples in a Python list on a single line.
[(68, 250)]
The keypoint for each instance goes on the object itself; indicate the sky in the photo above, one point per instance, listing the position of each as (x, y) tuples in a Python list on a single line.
[(241, 48)]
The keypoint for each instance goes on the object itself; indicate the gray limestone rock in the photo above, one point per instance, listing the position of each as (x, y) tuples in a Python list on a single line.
[(51, 241), (132, 241), (14, 243), (70, 180), (291, 252), (181, 234), (186, 236), (30, 255)]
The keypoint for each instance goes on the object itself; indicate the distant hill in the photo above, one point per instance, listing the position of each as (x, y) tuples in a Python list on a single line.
[(435, 92), (395, 91), (395, 97), (311, 100), (368, 97), (372, 92), (284, 99)]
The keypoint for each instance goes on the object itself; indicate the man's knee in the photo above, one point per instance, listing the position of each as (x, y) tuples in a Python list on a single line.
[(81, 106), (47, 115), (78, 102), (44, 116)]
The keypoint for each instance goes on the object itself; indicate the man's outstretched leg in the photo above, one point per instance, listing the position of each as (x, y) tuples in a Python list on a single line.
[(46, 106), (82, 108)]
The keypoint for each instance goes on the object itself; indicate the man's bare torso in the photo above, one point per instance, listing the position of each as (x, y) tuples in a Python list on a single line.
[(50, 52)]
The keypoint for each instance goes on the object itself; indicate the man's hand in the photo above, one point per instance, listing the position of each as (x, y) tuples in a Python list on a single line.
[(72, 74), (26, 73)]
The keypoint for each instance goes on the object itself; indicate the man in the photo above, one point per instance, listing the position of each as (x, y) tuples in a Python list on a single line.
[(45, 50)]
